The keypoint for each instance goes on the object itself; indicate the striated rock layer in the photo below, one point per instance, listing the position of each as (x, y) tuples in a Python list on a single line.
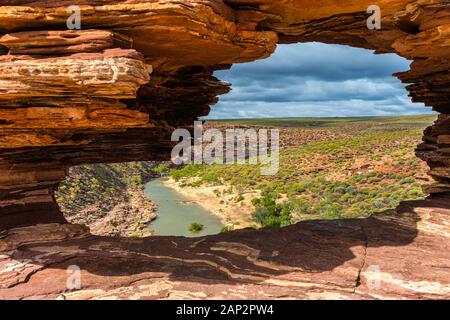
[(115, 90), (346, 259)]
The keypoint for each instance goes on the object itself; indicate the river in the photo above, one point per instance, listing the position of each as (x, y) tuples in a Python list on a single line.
[(175, 213)]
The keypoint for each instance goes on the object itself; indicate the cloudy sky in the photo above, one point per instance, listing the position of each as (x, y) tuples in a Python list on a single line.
[(316, 80)]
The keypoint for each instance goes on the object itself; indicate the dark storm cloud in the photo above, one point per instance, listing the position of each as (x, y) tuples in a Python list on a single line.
[(316, 80)]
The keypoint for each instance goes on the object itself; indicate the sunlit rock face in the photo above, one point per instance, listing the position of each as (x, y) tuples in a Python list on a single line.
[(116, 89)]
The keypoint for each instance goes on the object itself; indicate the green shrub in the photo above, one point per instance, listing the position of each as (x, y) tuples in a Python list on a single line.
[(196, 227), (160, 168), (269, 213)]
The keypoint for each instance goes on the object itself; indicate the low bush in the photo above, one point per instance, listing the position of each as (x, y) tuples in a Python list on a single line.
[(269, 213), (196, 227)]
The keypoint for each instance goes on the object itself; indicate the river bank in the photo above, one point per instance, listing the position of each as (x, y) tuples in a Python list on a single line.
[(109, 198), (129, 217), (234, 210), (176, 213), (131, 200)]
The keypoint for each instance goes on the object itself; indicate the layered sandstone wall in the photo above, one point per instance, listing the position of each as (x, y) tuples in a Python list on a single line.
[(114, 90)]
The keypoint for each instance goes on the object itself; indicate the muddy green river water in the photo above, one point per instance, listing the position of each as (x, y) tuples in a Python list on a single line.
[(175, 213)]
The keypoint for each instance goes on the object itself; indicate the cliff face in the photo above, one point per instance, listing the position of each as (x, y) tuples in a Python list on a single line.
[(114, 90)]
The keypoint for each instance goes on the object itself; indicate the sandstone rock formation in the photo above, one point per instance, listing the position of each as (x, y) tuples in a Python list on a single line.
[(347, 259), (137, 69), (81, 96)]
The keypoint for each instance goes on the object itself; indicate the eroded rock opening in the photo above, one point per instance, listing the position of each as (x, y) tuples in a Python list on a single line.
[(43, 130), (67, 100), (112, 198)]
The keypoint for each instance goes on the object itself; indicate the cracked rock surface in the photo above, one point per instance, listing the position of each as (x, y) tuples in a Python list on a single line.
[(394, 255)]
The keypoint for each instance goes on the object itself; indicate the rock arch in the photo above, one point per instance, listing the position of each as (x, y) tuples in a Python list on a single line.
[(116, 89)]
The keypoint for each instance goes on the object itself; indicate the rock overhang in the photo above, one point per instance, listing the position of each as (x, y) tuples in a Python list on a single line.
[(115, 90), (71, 97)]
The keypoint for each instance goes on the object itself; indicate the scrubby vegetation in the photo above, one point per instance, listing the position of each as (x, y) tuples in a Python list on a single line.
[(227, 229), (196, 227), (109, 198), (269, 213), (160, 169), (329, 168), (106, 183)]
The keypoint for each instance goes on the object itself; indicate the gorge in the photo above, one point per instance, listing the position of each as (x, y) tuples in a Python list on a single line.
[(115, 90)]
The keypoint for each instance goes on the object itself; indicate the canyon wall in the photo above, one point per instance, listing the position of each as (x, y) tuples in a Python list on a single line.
[(115, 90)]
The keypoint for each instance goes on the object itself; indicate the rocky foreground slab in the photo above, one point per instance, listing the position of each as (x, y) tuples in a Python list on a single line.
[(394, 255)]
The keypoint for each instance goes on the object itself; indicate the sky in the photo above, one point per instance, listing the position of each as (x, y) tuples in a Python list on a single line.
[(316, 80)]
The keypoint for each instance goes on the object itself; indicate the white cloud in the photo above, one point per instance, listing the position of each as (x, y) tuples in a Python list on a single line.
[(315, 80)]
